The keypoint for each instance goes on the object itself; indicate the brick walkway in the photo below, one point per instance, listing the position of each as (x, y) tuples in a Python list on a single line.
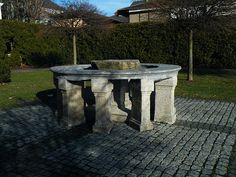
[(200, 143)]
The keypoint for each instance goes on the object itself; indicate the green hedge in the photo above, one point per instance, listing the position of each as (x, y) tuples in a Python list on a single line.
[(32, 44), (160, 43), (152, 43), (5, 72)]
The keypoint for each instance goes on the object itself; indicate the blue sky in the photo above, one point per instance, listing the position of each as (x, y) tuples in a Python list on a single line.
[(108, 7)]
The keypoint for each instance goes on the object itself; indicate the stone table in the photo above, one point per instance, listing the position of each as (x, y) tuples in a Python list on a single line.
[(120, 95)]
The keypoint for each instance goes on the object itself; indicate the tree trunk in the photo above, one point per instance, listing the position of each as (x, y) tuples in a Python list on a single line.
[(190, 66), (74, 49)]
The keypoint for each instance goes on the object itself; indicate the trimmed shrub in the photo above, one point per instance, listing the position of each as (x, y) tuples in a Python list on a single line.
[(14, 59), (159, 43), (32, 44), (5, 72), (42, 46)]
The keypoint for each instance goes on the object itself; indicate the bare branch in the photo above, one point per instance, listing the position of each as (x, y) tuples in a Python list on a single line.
[(22, 9), (194, 12), (78, 15)]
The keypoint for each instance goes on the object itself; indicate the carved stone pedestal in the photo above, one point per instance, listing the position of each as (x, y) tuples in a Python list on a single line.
[(102, 92), (70, 104), (120, 104), (140, 91), (164, 101)]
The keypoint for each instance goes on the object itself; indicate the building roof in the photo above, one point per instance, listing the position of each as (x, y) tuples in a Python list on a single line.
[(119, 19), (137, 5)]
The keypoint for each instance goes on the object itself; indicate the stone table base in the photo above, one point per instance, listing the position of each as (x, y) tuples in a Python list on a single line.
[(140, 97), (164, 101), (102, 90), (70, 103)]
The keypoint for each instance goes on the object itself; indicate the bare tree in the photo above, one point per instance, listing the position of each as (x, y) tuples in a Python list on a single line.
[(23, 10), (33, 9), (13, 9), (79, 15), (194, 14)]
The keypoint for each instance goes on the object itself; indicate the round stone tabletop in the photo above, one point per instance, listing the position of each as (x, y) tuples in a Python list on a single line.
[(146, 71)]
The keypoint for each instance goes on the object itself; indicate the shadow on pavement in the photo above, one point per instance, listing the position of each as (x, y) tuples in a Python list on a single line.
[(48, 97)]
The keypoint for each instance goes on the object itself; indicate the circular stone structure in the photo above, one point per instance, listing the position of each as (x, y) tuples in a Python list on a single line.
[(86, 71), (121, 95)]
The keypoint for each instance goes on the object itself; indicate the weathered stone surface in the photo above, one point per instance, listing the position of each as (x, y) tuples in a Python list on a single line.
[(102, 90), (164, 100), (120, 103), (85, 72), (116, 64), (70, 103), (140, 97), (147, 73)]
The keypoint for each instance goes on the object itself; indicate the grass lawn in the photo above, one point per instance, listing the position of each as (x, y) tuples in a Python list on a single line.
[(208, 86), (25, 86)]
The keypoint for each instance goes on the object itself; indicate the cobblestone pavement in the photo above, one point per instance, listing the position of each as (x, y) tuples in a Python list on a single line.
[(200, 143)]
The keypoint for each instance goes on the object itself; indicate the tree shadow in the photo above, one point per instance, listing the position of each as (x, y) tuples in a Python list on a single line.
[(89, 106), (18, 150), (205, 126), (212, 71), (48, 97)]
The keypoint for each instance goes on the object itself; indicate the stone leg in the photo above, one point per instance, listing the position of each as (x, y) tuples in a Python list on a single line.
[(140, 97), (164, 101), (120, 101), (70, 103), (102, 92)]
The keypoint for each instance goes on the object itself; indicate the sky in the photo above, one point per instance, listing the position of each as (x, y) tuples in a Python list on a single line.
[(108, 7)]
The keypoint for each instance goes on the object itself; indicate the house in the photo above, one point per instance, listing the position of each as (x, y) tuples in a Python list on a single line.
[(116, 19), (138, 11), (144, 11)]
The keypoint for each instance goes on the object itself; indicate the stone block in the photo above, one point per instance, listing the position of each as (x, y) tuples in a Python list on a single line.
[(140, 97), (164, 101), (116, 64), (102, 90), (120, 103), (70, 103)]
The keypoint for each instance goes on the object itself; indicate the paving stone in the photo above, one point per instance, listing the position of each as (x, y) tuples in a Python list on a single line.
[(131, 175), (181, 173), (200, 143), (193, 173)]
